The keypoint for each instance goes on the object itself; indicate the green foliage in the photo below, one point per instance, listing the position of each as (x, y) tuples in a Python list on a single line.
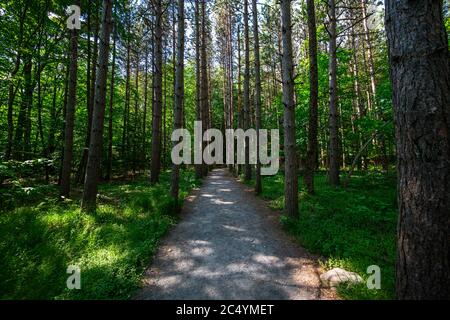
[(353, 227), (112, 247)]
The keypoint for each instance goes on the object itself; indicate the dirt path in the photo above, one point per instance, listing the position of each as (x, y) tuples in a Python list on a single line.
[(229, 246)]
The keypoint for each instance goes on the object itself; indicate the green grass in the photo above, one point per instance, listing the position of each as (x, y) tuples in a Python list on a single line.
[(352, 227), (39, 240)]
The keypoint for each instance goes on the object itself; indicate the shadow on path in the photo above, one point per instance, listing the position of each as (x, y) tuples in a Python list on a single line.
[(225, 247)]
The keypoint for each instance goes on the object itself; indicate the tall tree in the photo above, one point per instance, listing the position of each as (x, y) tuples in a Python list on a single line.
[(95, 146), (258, 183), (198, 110), (418, 54), (111, 104), (157, 109), (70, 114), (179, 96), (204, 88), (91, 95), (247, 166), (290, 166), (11, 90), (334, 158), (311, 156)]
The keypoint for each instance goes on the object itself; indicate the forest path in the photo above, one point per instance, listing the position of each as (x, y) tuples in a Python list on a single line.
[(229, 245)]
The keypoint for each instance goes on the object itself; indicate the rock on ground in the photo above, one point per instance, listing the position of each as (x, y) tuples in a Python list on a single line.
[(336, 276), (229, 245)]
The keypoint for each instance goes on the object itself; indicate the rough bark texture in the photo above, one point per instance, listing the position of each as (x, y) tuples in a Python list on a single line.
[(95, 146), (247, 166), (290, 167), (334, 157), (156, 129), (179, 95), (70, 114), (311, 156), (258, 183), (420, 74)]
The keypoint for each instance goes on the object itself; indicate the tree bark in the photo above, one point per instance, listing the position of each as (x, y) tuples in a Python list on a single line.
[(247, 166), (95, 146), (418, 54), (311, 157), (290, 171), (111, 105), (91, 90), (204, 80), (334, 157), (258, 182), (179, 97), (156, 129), (198, 167), (70, 115)]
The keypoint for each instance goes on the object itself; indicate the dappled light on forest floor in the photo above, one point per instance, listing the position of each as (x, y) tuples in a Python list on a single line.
[(225, 249)]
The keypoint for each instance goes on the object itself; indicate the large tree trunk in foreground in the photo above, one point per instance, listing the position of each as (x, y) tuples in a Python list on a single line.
[(420, 74), (290, 170), (179, 96), (95, 146), (70, 114), (156, 124), (311, 156)]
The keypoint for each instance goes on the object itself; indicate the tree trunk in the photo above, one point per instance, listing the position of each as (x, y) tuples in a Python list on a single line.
[(239, 97), (179, 97), (11, 90), (111, 104), (198, 167), (258, 183), (95, 146), (144, 120), (204, 80), (136, 116), (418, 54), (290, 171), (19, 140), (334, 157), (247, 166), (70, 115), (156, 136), (126, 111), (311, 156), (91, 89)]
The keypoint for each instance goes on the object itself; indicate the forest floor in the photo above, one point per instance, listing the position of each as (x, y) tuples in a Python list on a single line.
[(41, 236), (354, 227), (229, 245)]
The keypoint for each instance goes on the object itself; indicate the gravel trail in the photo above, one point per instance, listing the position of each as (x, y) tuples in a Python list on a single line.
[(229, 245)]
